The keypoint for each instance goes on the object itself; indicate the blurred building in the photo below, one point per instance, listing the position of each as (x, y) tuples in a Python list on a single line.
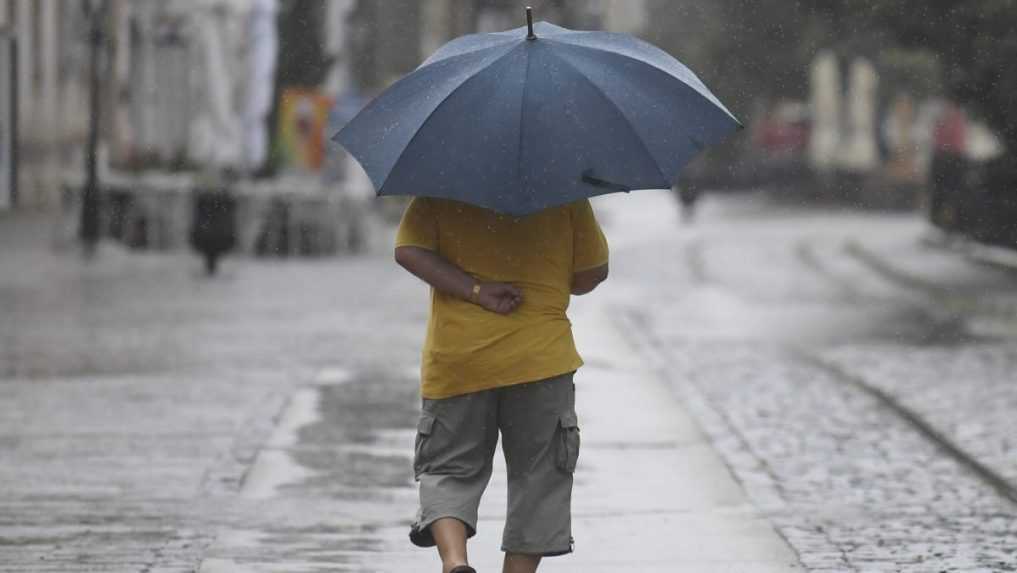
[(200, 76), (8, 120), (389, 38), (50, 91), (182, 82), (337, 19), (628, 16), (188, 83)]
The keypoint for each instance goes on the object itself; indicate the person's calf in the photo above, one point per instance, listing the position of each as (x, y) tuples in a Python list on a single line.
[(450, 536), (520, 563)]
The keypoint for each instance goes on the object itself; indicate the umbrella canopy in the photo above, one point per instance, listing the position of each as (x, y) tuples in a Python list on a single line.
[(527, 119)]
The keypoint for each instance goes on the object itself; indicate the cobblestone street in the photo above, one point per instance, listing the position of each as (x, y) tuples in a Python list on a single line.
[(855, 381), (851, 377)]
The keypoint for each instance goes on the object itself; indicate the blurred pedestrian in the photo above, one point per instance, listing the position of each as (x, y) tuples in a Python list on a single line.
[(687, 196), (947, 195), (499, 356)]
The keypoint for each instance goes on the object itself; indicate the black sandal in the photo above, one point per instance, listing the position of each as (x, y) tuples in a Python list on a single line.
[(463, 569)]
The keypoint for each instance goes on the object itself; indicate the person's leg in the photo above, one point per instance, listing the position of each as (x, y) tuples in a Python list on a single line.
[(519, 563), (540, 439), (456, 439), (450, 535)]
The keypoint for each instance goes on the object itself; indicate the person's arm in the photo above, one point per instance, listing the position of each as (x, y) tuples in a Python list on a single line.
[(436, 271), (585, 281), (590, 251)]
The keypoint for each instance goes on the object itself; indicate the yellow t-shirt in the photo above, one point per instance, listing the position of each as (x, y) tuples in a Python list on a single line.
[(468, 348)]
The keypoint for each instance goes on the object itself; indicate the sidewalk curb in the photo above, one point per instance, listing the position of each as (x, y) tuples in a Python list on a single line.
[(710, 420), (726, 441)]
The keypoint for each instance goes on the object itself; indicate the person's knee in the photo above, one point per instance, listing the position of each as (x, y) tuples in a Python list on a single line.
[(521, 563), (450, 526)]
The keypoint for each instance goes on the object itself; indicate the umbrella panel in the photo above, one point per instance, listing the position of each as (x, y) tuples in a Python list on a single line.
[(673, 120), (518, 126), (535, 126), (379, 134)]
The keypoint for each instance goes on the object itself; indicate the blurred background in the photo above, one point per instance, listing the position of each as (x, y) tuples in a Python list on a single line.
[(884, 105), (208, 360)]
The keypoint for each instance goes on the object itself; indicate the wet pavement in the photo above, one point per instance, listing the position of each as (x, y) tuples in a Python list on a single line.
[(852, 376), (156, 420), (146, 408)]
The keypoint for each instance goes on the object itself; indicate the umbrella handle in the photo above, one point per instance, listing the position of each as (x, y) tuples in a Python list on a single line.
[(588, 178), (529, 24)]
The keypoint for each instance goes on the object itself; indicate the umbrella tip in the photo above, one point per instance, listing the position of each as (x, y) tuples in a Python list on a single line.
[(529, 24)]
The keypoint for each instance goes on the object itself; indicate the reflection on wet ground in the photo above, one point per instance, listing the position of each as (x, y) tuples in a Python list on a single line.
[(802, 287), (362, 438), (127, 379), (340, 445)]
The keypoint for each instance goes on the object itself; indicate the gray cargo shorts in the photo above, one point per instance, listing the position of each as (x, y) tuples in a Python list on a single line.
[(456, 441)]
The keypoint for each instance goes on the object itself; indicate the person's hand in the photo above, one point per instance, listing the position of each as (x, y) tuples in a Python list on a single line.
[(499, 297)]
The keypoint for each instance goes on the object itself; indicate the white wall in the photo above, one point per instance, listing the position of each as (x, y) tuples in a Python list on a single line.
[(25, 32), (336, 34), (6, 128), (6, 198), (41, 129), (628, 16)]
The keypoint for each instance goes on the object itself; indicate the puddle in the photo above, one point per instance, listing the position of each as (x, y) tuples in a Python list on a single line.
[(333, 376), (223, 566), (231, 566), (992, 327), (336, 469), (302, 410), (271, 470), (274, 466), (412, 372)]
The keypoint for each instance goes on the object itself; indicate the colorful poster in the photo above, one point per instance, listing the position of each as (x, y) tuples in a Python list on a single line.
[(303, 122), (8, 131)]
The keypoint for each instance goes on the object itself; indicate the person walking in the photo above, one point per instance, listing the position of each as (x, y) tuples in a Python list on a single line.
[(501, 138), (499, 356)]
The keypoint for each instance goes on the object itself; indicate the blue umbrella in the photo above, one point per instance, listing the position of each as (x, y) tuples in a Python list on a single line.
[(535, 117)]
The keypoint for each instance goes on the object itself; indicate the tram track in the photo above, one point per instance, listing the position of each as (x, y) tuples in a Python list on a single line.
[(944, 443), (955, 305), (848, 292), (866, 421), (950, 300), (806, 254)]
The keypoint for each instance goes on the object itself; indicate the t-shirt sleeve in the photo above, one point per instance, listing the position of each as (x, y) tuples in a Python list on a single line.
[(589, 249), (419, 226)]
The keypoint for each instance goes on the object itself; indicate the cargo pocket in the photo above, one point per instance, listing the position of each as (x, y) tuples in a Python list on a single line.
[(568, 442), (424, 428)]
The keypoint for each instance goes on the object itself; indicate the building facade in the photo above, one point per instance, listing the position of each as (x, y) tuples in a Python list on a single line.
[(152, 44), (388, 38), (49, 90), (181, 82)]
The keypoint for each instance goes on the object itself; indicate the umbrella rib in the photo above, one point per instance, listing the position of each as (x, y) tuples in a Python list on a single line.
[(441, 104), (620, 113), (522, 120), (431, 59), (421, 69), (709, 96)]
